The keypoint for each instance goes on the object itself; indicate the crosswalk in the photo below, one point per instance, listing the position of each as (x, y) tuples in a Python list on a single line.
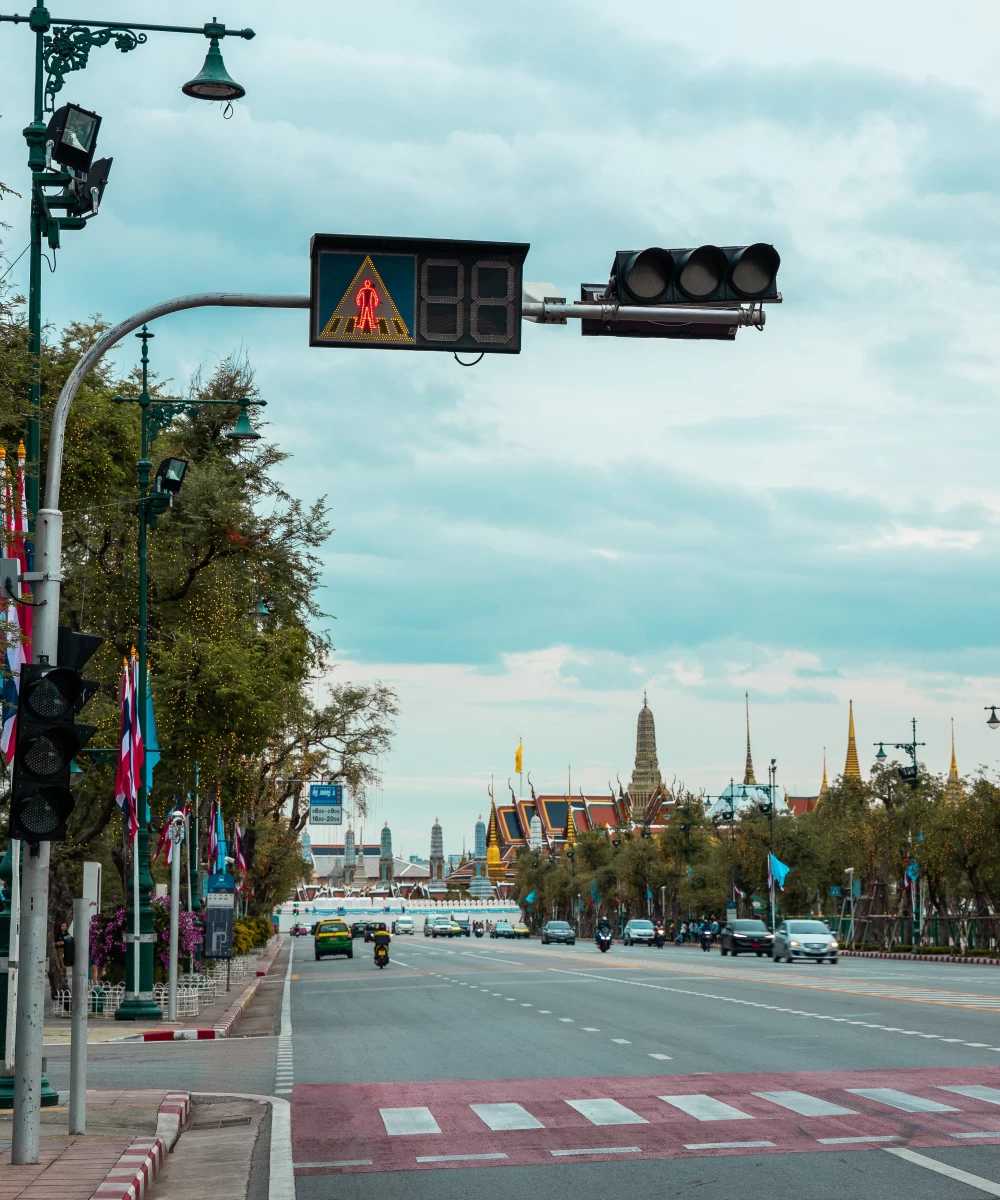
[(605, 1110)]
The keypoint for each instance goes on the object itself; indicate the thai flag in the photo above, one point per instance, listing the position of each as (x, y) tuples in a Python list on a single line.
[(125, 780), (138, 753), (238, 855), (16, 649)]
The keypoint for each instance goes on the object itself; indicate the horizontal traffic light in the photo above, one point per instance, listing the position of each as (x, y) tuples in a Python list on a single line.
[(695, 275)]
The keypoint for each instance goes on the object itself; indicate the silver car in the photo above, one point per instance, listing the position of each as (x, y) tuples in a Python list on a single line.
[(800, 939)]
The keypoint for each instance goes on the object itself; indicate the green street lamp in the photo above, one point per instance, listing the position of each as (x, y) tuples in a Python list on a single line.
[(63, 45), (992, 720), (166, 483)]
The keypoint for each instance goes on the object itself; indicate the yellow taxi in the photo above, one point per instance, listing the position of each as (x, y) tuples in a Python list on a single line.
[(520, 930), (333, 937)]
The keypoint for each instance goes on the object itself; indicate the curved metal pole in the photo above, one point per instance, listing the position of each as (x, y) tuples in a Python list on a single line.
[(57, 432)]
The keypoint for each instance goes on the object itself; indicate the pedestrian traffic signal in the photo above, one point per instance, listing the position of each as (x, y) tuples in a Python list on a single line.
[(389, 293), (48, 738)]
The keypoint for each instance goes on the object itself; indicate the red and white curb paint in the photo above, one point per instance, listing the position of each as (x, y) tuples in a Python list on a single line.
[(132, 1175), (927, 958)]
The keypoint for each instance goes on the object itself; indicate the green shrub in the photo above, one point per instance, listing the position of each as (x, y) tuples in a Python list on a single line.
[(250, 933)]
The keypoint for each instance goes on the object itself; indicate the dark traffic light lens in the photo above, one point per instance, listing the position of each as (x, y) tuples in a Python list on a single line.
[(49, 752), (752, 269), (701, 272), (42, 812), (53, 695), (648, 273)]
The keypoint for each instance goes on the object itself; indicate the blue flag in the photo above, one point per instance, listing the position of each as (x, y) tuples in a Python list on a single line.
[(776, 871), (530, 896), (649, 893), (595, 895), (152, 756)]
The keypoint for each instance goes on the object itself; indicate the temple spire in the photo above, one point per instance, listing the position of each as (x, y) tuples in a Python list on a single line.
[(822, 790), (570, 830), (646, 781), (852, 769), (953, 788), (748, 773), (494, 867)]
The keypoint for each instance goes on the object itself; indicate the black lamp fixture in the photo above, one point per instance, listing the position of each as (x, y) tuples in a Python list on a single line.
[(992, 720), (72, 137), (170, 475)]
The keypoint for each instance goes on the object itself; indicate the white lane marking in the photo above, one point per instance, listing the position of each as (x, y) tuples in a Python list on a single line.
[(705, 1108), (286, 996), (794, 1012), (402, 1122), (724, 1145), (590, 1029), (458, 1157), (496, 993), (974, 1091), (851, 1141), (566, 1020), (985, 1134), (545, 1012), (597, 1150), (527, 1006), (505, 1116), (606, 1112), (662, 1057), (512, 999), (344, 1162), (932, 1164), (806, 1106), (622, 1041), (901, 1100)]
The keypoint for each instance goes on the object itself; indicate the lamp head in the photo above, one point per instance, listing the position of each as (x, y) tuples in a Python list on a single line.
[(882, 754), (242, 431), (73, 133), (993, 720), (170, 475), (213, 81)]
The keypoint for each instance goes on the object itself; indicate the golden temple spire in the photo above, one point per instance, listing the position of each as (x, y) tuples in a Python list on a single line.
[(822, 790), (494, 867), (852, 769), (570, 830), (953, 788), (748, 773)]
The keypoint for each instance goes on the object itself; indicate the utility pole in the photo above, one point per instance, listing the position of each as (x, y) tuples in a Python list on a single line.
[(177, 838)]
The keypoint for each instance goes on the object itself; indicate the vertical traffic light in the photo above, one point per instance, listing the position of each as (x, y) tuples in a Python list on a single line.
[(48, 738)]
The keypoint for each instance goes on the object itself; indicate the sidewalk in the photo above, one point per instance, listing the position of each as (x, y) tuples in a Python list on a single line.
[(73, 1168)]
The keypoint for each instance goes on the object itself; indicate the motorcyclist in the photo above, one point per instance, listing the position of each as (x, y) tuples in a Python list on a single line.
[(603, 929), (659, 935), (381, 937)]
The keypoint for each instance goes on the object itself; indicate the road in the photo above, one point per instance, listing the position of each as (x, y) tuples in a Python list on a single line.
[(508, 1067)]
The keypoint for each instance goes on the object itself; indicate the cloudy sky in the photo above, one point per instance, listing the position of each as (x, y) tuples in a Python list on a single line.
[(808, 514)]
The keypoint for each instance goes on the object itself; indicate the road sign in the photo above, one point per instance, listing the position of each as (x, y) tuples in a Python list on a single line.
[(326, 803), (835, 891), (384, 293), (220, 901)]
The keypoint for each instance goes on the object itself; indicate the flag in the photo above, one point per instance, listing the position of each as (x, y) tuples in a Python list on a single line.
[(152, 744), (595, 895), (163, 840), (125, 779), (16, 624), (776, 872), (138, 751), (213, 841), (530, 897), (220, 840), (649, 893), (737, 892), (518, 758), (238, 855)]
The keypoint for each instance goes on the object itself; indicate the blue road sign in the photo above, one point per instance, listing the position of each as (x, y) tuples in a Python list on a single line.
[(835, 891), (326, 793)]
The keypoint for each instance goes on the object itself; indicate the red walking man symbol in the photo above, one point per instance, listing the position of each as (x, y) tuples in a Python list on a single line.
[(367, 301)]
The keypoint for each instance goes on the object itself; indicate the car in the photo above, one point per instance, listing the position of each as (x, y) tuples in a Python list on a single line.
[(519, 930), (298, 930), (502, 929), (333, 937), (558, 931), (371, 927), (801, 939), (743, 936), (358, 929), (464, 923), (442, 927), (639, 933), (403, 925)]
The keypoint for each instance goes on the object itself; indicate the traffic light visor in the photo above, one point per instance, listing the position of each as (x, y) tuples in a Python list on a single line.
[(42, 811), (701, 271), (647, 275), (752, 269), (53, 695)]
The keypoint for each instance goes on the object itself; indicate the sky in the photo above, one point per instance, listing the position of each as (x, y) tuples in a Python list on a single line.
[(522, 549)]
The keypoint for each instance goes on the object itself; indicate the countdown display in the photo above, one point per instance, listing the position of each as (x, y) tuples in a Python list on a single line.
[(382, 293)]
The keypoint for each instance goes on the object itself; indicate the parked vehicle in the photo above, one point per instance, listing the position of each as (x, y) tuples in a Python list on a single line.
[(743, 936), (558, 931), (639, 933), (403, 925), (464, 923), (332, 938), (804, 940), (502, 929)]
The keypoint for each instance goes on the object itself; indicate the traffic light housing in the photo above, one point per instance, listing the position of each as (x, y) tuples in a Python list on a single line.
[(48, 738)]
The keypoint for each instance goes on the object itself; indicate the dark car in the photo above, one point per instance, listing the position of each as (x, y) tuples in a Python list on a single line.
[(558, 931), (358, 929), (371, 927), (744, 936), (502, 929)]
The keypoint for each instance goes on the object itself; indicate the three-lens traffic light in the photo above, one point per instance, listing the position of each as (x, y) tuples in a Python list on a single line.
[(696, 275), (48, 738)]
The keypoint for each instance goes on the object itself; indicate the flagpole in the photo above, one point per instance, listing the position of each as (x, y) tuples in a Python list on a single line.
[(135, 913)]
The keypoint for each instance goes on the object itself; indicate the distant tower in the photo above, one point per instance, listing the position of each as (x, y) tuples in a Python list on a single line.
[(852, 769), (953, 792), (350, 856), (570, 831), (823, 789), (494, 865), (748, 771), (646, 780), (535, 833), (385, 856), (435, 883), (480, 886)]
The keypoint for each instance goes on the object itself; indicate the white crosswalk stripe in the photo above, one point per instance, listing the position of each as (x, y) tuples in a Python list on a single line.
[(806, 1106), (606, 1112), (705, 1108), (401, 1122), (901, 1100), (505, 1116), (974, 1092)]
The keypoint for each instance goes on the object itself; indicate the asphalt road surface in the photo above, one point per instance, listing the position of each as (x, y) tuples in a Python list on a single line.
[(507, 1068)]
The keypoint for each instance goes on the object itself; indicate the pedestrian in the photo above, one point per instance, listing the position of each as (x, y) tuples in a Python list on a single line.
[(61, 946)]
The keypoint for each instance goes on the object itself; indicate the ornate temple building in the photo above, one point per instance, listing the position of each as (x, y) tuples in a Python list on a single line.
[(435, 884), (953, 789), (645, 784)]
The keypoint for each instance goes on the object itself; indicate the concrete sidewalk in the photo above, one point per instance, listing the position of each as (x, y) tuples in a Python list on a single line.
[(228, 1143)]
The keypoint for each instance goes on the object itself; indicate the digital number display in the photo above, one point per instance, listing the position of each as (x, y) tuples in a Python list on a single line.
[(416, 294)]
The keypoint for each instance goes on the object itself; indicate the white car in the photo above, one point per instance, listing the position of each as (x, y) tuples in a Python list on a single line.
[(403, 925), (798, 940)]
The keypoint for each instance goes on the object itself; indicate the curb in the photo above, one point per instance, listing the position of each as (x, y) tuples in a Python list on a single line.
[(132, 1175), (931, 958)]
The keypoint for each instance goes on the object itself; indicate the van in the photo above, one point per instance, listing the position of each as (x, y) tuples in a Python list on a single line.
[(403, 925), (463, 921)]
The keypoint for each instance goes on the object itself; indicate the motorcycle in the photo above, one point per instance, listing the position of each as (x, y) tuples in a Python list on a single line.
[(604, 942), (478, 929), (381, 956), (706, 940), (659, 937)]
